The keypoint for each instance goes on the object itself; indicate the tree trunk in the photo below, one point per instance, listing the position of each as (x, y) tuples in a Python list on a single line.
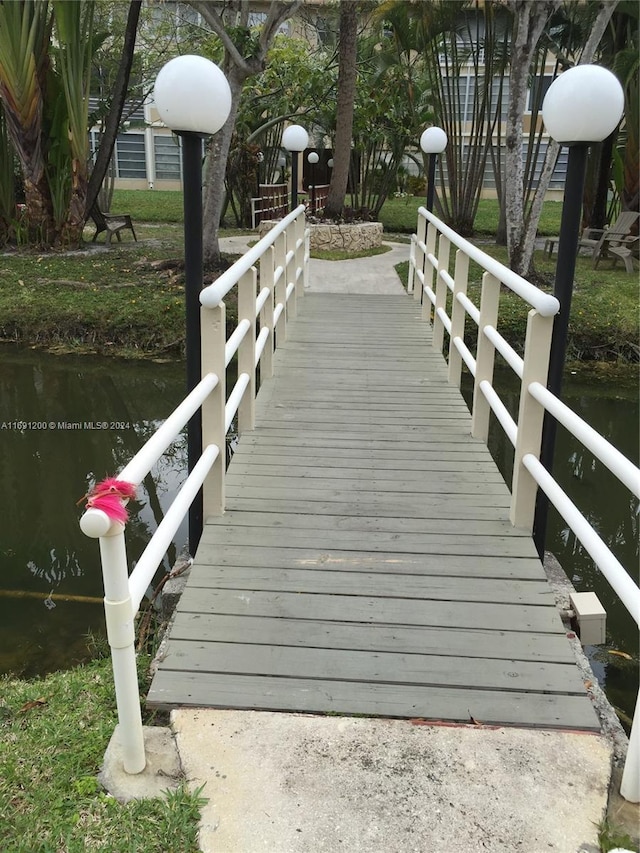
[(530, 18), (224, 24), (214, 193), (531, 224), (112, 125), (597, 216), (345, 102)]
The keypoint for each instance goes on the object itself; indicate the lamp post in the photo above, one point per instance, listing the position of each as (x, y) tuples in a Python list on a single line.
[(433, 142), (582, 106), (312, 159), (193, 98), (295, 139)]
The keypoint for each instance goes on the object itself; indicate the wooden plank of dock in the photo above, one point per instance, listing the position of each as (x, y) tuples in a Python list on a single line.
[(366, 564)]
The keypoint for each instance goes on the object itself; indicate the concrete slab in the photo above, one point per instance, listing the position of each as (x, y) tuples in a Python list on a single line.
[(163, 771), (372, 275), (287, 783)]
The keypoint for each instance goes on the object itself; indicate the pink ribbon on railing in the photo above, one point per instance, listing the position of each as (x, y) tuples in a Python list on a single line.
[(109, 496)]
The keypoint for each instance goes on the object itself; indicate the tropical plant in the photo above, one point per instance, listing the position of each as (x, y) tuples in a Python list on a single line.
[(626, 64), (7, 194), (25, 30), (465, 52), (392, 106), (74, 31), (44, 88), (296, 83), (578, 45)]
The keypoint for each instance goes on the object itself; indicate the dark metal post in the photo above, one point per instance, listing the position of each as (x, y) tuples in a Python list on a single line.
[(431, 182), (563, 291), (294, 179), (193, 279)]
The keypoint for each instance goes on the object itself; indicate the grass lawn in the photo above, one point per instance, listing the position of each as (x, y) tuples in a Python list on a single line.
[(53, 735), (604, 311), (401, 214), (128, 300)]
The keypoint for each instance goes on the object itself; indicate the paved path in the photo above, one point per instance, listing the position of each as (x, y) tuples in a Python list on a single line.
[(375, 274)]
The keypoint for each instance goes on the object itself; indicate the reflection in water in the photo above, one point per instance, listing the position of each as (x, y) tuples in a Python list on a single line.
[(65, 423)]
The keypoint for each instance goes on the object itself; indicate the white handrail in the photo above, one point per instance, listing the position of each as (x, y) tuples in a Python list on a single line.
[(124, 593), (535, 399), (506, 350), (611, 568), (261, 300), (544, 303), (466, 355), (151, 557), (261, 340), (235, 398), (500, 411), (231, 347), (616, 462), (144, 460), (469, 307), (213, 295)]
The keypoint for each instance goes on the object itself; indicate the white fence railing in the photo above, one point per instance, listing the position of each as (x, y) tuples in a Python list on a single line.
[(430, 257), (282, 256)]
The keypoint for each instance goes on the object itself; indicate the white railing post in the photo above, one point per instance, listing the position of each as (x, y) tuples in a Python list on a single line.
[(458, 315), (280, 247), (485, 355), (119, 617), (290, 270), (247, 349), (444, 250), (307, 255), (630, 785), (412, 264), (266, 313), (213, 340), (530, 418), (420, 255), (121, 636), (430, 266), (299, 259)]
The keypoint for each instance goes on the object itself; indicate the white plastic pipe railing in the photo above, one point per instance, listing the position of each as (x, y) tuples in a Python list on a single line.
[(544, 303), (429, 257), (146, 567), (283, 255), (144, 460), (615, 461), (216, 292)]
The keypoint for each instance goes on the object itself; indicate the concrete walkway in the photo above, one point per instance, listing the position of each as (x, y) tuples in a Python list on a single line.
[(360, 275), (289, 783)]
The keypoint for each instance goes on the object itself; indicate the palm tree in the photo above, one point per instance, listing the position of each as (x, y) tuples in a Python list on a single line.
[(74, 30), (347, 75), (25, 30)]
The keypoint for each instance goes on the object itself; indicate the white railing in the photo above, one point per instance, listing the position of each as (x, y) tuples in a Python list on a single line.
[(282, 256), (430, 256)]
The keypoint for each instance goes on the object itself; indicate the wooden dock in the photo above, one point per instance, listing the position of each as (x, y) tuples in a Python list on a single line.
[(366, 564)]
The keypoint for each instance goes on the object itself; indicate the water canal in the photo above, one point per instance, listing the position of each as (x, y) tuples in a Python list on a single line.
[(68, 420)]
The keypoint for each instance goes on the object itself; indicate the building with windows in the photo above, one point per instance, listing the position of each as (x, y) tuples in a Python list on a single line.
[(147, 154)]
